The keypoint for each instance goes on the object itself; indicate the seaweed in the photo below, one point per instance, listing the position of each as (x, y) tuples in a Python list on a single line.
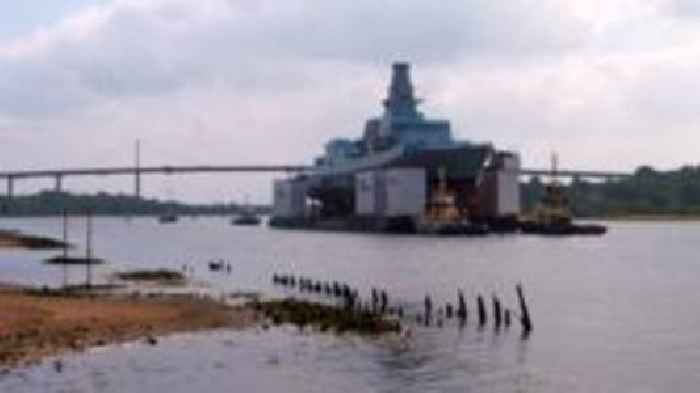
[(325, 317)]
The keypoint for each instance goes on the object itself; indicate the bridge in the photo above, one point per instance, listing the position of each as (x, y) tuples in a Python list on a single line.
[(572, 173), (58, 174), (137, 171)]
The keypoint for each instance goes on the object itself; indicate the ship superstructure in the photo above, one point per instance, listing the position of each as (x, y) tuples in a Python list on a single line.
[(406, 173)]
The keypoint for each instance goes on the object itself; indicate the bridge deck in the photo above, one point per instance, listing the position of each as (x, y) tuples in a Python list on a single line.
[(109, 171), (166, 169)]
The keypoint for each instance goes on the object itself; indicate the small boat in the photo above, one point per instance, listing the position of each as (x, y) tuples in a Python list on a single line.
[(168, 219), (246, 218), (169, 212), (216, 266), (443, 217)]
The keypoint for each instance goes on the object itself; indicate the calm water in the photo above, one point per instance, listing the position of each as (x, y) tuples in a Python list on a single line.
[(618, 313)]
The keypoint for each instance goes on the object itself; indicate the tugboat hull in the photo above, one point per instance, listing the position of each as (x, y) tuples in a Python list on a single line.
[(562, 229), (245, 222), (395, 225)]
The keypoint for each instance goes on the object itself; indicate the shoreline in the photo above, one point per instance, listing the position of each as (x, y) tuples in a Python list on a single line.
[(39, 323), (34, 326)]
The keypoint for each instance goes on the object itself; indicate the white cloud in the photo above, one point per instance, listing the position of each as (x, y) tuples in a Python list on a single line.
[(223, 81)]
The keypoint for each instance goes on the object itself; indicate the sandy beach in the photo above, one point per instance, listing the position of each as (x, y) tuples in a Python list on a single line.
[(34, 326)]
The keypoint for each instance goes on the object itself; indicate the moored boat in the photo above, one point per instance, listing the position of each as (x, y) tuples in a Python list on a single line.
[(246, 218), (168, 218), (552, 215)]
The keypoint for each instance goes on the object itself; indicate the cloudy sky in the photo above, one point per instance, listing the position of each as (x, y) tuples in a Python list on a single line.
[(608, 84)]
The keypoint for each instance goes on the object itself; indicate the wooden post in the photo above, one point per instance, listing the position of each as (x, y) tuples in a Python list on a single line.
[(375, 300), (448, 310), (524, 314), (496, 311), (482, 310), (462, 306), (384, 301), (428, 309)]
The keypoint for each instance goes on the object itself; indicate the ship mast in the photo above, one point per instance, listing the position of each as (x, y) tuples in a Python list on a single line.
[(401, 101), (554, 169)]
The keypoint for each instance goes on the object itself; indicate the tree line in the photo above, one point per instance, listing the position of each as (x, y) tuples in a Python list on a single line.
[(647, 192), (49, 203)]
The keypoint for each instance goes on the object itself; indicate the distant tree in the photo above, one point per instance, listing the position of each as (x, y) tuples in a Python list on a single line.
[(648, 191)]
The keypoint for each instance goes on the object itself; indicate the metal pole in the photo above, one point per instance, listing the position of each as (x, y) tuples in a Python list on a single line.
[(88, 250), (65, 248)]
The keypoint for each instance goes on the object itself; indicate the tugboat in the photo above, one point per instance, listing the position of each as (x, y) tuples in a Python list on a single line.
[(552, 215), (443, 217)]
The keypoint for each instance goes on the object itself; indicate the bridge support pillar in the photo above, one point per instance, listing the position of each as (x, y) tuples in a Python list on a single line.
[(10, 188), (137, 172), (5, 202), (59, 183), (137, 184)]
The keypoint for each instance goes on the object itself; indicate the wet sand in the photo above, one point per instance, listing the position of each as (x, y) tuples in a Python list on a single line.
[(34, 326), (13, 239), (8, 240)]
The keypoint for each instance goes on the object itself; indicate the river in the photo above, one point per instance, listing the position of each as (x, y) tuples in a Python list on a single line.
[(617, 313)]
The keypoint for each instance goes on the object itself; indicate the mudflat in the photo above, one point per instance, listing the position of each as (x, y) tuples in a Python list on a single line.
[(33, 326), (14, 239)]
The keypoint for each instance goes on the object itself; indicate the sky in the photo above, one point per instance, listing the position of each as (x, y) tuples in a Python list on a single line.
[(607, 84)]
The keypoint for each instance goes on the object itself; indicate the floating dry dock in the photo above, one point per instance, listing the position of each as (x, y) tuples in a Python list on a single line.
[(405, 174)]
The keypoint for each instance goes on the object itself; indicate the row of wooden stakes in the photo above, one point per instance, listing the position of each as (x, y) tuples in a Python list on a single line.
[(379, 303)]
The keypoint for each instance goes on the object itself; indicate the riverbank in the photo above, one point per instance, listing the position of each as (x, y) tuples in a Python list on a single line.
[(36, 323), (33, 326)]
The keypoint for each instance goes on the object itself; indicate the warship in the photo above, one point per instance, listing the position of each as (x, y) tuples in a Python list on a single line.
[(406, 173)]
